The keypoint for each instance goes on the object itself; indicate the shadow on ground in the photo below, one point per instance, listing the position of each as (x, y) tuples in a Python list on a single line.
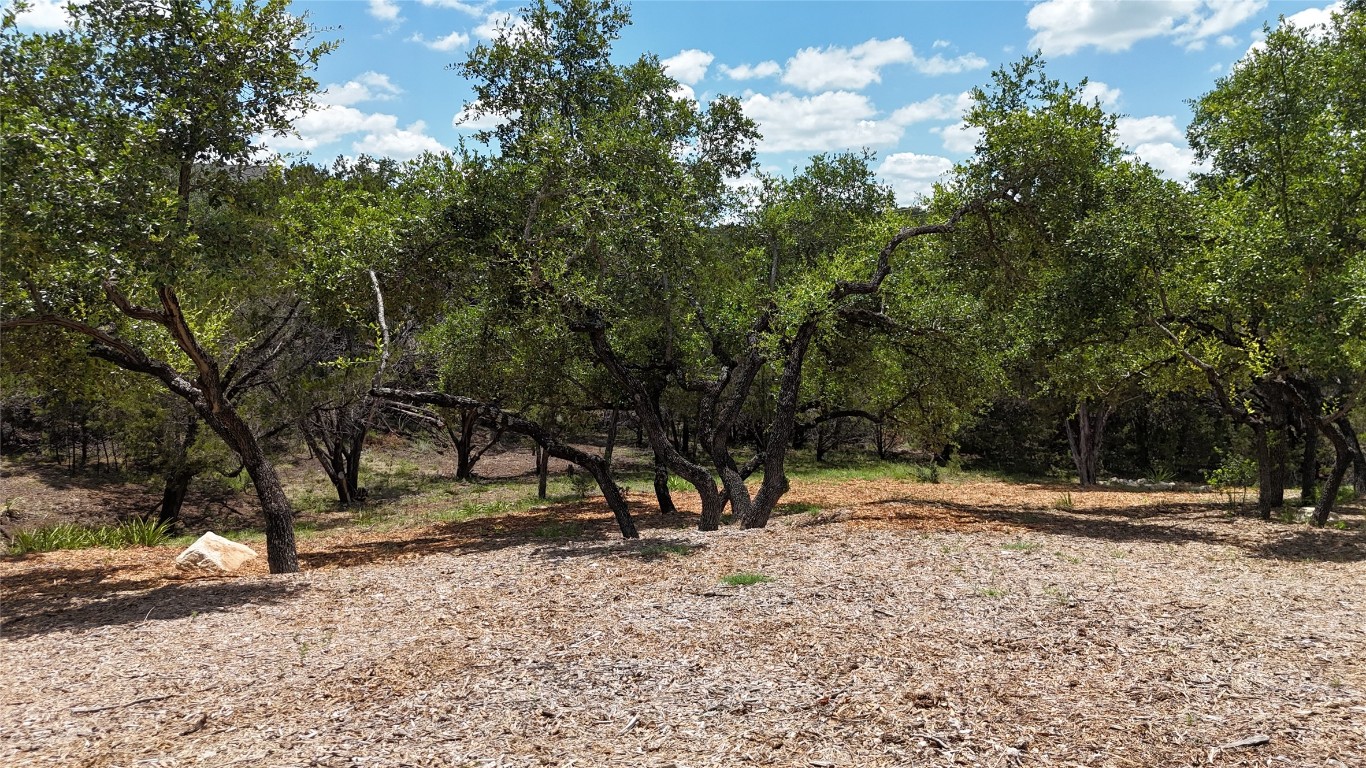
[(46, 600)]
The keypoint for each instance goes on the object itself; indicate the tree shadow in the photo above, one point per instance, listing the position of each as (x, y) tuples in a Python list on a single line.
[(550, 526), (1166, 523), (46, 600)]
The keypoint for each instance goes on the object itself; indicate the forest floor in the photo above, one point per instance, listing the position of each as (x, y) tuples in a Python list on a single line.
[(901, 623)]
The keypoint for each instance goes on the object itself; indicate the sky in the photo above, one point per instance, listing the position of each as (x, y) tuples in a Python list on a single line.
[(817, 76)]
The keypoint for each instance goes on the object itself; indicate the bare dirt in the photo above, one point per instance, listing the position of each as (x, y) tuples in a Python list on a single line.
[(904, 625)]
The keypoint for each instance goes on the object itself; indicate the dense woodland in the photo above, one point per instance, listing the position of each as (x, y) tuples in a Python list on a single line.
[(606, 261)]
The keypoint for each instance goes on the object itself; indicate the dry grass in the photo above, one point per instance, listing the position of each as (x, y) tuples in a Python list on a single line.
[(905, 624)]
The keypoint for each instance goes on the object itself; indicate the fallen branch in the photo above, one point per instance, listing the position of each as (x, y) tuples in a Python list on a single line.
[(144, 700)]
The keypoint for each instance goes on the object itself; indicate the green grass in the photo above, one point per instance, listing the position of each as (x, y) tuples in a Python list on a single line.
[(655, 551), (133, 533), (1020, 546), (1064, 503), (745, 579), (796, 508)]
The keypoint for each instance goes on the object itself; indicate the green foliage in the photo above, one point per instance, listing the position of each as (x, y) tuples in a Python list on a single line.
[(131, 533), (745, 579)]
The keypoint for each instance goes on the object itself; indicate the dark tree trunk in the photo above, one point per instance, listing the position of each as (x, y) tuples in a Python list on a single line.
[(542, 471), (879, 441), (178, 476), (1272, 455), (775, 482), (662, 494), (1358, 458), (611, 437), (1086, 438), (1342, 461), (1309, 461), (280, 551), (463, 440)]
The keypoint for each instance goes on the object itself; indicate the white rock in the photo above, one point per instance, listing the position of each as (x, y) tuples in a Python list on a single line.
[(212, 552)]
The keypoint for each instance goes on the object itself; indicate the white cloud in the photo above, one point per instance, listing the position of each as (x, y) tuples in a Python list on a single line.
[(384, 10), (942, 106), (44, 15), (1067, 26), (688, 66), (1314, 17), (938, 65), (473, 9), (959, 138), (1177, 162), (911, 175), (381, 133), (370, 86), (1158, 141), (824, 122), (468, 119), (499, 22), (816, 69), (941, 44), (398, 143), (747, 72), (448, 43), (1142, 130), (1096, 90)]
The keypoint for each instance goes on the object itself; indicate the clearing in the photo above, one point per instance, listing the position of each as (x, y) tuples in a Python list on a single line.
[(903, 623)]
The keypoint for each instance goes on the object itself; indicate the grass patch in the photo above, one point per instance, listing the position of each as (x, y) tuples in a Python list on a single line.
[(1064, 503), (1020, 546), (745, 579), (991, 592), (133, 533)]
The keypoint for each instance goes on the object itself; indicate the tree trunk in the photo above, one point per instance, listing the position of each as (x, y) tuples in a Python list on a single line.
[(280, 552), (542, 471), (662, 494), (463, 439), (611, 437), (178, 476), (1272, 455), (784, 422), (1358, 458), (1085, 438), (1309, 461), (879, 441), (1342, 460)]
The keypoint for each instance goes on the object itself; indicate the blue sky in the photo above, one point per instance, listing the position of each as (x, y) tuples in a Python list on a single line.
[(816, 76)]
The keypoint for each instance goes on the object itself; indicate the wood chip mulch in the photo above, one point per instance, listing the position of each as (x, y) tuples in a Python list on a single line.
[(904, 625)]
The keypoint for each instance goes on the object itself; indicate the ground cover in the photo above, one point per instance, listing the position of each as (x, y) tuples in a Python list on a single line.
[(896, 623)]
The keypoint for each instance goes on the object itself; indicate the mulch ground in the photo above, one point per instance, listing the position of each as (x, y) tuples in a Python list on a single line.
[(904, 625)]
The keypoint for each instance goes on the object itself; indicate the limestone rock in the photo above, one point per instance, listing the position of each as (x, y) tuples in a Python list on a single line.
[(212, 552)]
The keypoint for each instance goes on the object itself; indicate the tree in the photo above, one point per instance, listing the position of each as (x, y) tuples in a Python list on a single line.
[(123, 147), (1279, 291)]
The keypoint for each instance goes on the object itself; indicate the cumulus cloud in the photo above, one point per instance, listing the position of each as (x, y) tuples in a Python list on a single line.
[(1067, 26), (748, 72), (941, 106), (498, 23), (821, 123), (382, 135), (398, 143), (448, 43), (1316, 20), (1095, 90), (471, 119), (370, 86), (818, 69), (44, 15), (911, 175), (1159, 142), (384, 10), (688, 66), (959, 138), (474, 9)]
